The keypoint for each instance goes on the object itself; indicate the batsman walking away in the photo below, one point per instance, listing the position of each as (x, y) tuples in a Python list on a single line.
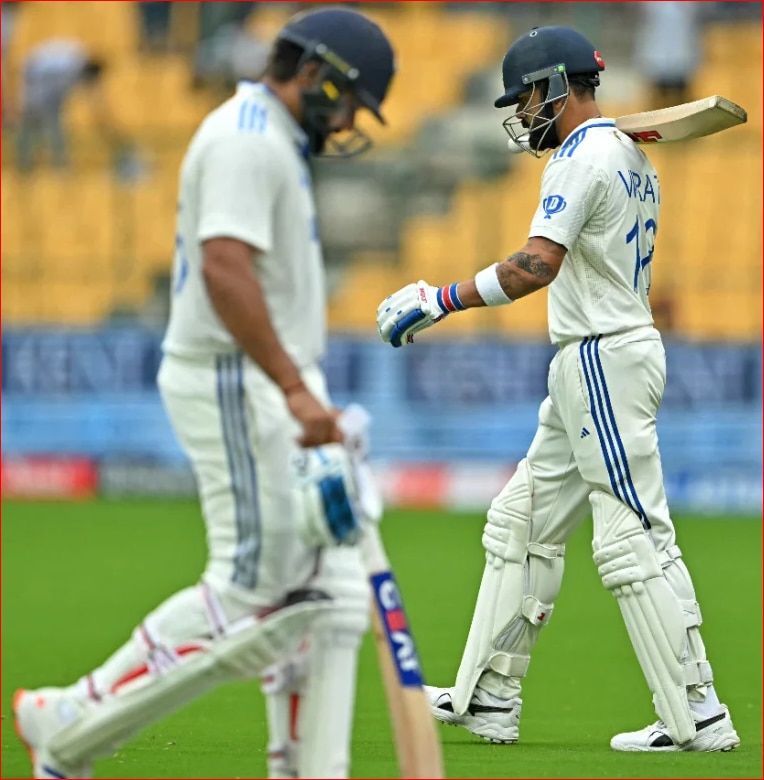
[(242, 384), (595, 449)]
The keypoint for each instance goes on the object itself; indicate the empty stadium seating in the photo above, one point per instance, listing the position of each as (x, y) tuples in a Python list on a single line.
[(76, 245)]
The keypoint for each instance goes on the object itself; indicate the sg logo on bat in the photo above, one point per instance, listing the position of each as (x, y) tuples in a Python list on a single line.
[(397, 629)]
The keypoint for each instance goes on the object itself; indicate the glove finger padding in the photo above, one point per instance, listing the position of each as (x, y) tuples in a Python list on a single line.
[(395, 306), (406, 312), (325, 496)]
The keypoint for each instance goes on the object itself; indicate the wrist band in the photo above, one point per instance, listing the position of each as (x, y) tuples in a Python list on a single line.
[(448, 300), (489, 288)]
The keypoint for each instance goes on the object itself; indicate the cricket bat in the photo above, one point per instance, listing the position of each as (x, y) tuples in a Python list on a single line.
[(416, 741), (684, 122)]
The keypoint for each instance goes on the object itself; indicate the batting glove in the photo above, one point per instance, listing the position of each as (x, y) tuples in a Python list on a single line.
[(414, 308)]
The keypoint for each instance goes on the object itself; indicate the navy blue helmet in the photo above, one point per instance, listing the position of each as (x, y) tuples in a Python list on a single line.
[(543, 63), (539, 53), (355, 55)]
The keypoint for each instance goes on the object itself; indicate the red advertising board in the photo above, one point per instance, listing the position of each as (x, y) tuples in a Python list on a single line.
[(47, 477)]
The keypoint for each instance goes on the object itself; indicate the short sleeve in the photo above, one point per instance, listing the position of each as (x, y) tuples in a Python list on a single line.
[(238, 187), (570, 192)]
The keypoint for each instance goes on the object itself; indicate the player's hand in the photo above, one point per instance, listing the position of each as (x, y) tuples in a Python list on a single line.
[(319, 424), (406, 312)]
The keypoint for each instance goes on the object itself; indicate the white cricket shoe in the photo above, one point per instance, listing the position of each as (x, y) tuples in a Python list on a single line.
[(38, 716), (500, 724), (712, 734)]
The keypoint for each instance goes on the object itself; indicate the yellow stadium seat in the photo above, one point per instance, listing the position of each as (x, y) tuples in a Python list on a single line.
[(371, 277), (431, 76), (147, 94), (12, 224), (75, 233), (39, 301), (720, 314), (108, 29), (76, 303), (20, 299), (732, 54), (153, 209), (266, 20)]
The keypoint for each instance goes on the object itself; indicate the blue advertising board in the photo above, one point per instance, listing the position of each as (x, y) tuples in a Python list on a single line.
[(93, 393)]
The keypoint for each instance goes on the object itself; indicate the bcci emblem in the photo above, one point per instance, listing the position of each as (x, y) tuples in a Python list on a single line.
[(553, 204)]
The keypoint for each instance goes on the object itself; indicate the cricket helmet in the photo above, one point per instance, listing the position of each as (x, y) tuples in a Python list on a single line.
[(538, 55), (355, 55)]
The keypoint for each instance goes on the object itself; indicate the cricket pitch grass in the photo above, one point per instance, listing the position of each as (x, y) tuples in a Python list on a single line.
[(77, 578)]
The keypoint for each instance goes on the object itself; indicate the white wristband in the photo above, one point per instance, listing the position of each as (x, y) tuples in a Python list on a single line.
[(489, 288)]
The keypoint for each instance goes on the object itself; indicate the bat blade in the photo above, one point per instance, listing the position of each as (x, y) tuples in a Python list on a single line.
[(684, 122), (416, 741)]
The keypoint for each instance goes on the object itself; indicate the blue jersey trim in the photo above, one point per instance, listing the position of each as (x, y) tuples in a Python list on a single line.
[(573, 140)]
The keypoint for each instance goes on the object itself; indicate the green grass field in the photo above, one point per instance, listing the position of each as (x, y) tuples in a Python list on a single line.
[(77, 578)]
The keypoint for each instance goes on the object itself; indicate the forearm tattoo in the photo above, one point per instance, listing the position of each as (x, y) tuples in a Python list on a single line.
[(515, 271)]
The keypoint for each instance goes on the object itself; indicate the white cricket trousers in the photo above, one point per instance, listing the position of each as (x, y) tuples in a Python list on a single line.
[(597, 432), (234, 425)]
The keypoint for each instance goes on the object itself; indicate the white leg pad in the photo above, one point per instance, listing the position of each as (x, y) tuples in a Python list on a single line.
[(282, 685), (698, 674), (173, 676), (631, 570), (520, 583), (320, 688)]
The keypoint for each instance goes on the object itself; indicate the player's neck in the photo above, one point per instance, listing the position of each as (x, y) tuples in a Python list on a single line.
[(574, 116), (288, 93)]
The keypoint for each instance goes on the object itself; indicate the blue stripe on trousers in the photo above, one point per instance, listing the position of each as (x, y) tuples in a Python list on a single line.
[(598, 427), (241, 465), (621, 449), (607, 431)]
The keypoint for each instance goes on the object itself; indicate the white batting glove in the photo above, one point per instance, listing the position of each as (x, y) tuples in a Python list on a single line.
[(414, 308)]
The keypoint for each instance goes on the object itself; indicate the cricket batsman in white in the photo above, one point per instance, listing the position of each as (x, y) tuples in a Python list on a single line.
[(245, 393), (595, 449)]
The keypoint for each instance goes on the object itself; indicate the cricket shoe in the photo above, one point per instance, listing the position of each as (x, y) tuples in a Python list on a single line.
[(39, 715), (711, 734), (495, 723)]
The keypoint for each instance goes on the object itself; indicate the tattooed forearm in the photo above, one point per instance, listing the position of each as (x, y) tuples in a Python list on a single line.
[(533, 264), (521, 274)]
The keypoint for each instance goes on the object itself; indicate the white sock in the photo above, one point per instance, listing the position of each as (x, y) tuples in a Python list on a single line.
[(481, 696), (709, 707)]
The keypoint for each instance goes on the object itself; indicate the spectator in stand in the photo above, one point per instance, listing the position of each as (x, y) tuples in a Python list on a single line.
[(668, 50), (50, 72), (155, 25)]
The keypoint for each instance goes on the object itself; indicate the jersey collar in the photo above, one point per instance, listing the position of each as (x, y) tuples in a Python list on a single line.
[(596, 121)]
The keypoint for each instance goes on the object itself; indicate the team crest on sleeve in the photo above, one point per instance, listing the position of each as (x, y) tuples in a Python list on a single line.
[(553, 204)]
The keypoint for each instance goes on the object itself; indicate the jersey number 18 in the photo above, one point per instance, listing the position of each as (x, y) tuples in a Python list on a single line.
[(641, 264)]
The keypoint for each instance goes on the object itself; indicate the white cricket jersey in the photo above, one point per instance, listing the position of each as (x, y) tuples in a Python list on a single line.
[(600, 199), (245, 176)]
